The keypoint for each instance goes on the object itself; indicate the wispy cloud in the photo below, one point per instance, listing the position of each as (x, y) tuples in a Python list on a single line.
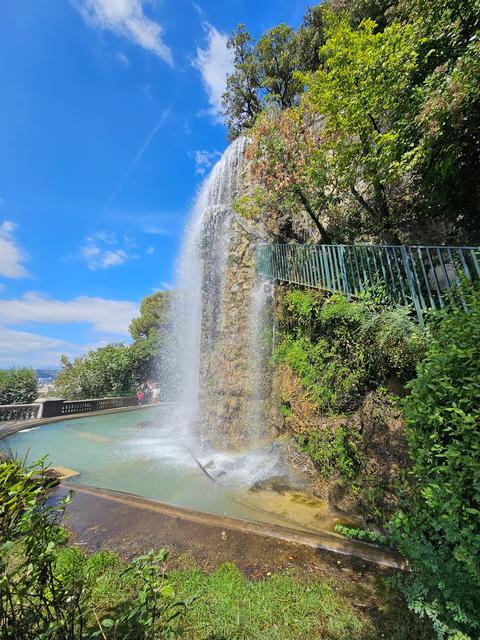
[(12, 256), (109, 316), (155, 224), (204, 160), (214, 62), (150, 251), (124, 59), (103, 250), (20, 348), (126, 18), (164, 286), (156, 231), (137, 157)]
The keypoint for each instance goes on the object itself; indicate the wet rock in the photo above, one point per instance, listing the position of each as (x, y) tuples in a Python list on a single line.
[(277, 484)]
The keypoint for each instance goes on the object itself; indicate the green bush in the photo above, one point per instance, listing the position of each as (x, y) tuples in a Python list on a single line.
[(49, 590), (103, 372), (333, 451), (438, 527), (17, 386), (341, 349)]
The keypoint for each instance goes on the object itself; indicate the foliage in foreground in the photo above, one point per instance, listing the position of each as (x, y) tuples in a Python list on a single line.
[(18, 386), (48, 590), (438, 528)]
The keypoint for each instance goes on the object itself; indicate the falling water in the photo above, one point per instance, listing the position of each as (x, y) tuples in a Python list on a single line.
[(260, 351), (200, 279)]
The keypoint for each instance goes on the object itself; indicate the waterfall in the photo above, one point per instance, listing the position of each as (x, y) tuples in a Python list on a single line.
[(260, 351), (221, 343), (200, 282)]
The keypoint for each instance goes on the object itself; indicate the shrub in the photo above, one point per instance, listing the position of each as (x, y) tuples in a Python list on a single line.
[(50, 590), (333, 451), (17, 386), (103, 372), (341, 349), (438, 527)]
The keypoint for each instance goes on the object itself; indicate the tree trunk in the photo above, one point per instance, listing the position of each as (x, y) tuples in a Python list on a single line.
[(323, 232)]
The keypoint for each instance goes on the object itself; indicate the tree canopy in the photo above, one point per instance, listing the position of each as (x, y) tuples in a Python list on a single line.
[(154, 311), (394, 87), (18, 386)]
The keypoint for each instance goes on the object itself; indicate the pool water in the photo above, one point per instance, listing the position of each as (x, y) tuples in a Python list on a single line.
[(148, 453)]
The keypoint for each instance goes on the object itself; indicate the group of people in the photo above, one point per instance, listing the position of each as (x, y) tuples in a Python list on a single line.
[(148, 393)]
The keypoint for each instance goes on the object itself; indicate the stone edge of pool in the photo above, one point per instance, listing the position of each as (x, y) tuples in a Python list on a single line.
[(381, 556)]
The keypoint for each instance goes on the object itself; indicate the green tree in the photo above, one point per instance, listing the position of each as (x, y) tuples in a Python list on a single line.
[(358, 10), (310, 37), (150, 335), (363, 94), (154, 316), (448, 119), (107, 371), (18, 386), (264, 75)]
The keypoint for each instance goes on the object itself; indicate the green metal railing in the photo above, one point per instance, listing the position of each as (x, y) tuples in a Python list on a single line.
[(422, 276)]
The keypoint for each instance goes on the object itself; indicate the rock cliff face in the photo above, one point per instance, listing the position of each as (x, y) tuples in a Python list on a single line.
[(233, 373), (382, 447)]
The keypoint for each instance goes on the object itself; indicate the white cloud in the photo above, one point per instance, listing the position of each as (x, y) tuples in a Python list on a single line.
[(121, 57), (156, 231), (204, 160), (99, 252), (109, 316), (214, 63), (150, 251), (12, 256), (113, 258), (126, 18), (21, 348), (164, 286)]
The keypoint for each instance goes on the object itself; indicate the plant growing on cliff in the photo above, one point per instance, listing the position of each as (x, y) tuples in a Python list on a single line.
[(284, 155), (333, 450), (341, 349), (363, 94), (438, 528)]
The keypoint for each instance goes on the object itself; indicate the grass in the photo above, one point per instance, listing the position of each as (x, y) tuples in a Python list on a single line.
[(291, 607), (284, 606)]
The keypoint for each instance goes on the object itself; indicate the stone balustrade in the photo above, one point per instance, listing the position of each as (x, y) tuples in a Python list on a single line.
[(50, 408), (20, 411)]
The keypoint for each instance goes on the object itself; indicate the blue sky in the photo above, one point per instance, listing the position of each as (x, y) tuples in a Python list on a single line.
[(108, 124)]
